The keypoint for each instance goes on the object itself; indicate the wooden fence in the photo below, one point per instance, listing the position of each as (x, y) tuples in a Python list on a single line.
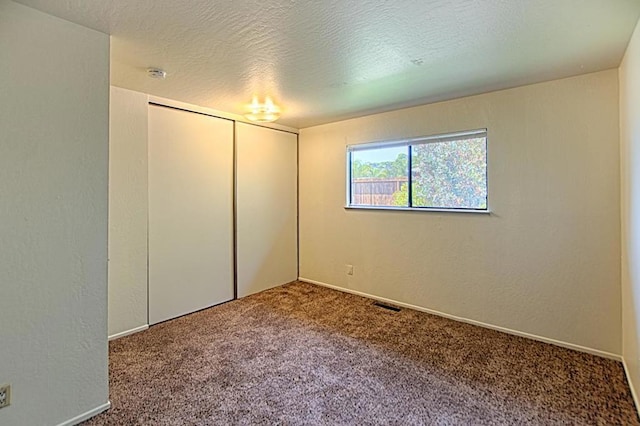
[(375, 191)]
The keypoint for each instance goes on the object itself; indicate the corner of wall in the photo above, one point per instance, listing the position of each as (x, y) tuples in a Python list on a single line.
[(128, 212), (630, 209)]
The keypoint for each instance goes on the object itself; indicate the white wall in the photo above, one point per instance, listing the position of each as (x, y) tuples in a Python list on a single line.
[(128, 209), (54, 112), (267, 211), (630, 177), (545, 262)]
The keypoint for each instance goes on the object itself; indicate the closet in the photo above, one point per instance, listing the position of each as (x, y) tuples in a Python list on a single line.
[(222, 210), (267, 194), (190, 212)]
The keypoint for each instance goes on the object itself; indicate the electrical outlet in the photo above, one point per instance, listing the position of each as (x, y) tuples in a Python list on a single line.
[(5, 395), (349, 269)]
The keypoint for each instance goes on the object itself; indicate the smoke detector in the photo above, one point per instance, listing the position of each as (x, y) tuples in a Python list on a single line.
[(158, 73)]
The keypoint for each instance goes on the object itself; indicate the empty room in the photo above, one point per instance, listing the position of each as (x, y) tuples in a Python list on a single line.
[(319, 212)]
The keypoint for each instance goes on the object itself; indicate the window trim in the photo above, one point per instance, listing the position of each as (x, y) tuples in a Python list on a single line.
[(417, 209), (409, 142)]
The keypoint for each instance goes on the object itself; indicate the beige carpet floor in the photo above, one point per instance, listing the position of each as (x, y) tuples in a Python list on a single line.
[(303, 354)]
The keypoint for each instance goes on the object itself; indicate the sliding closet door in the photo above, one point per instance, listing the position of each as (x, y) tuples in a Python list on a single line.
[(190, 212), (267, 212)]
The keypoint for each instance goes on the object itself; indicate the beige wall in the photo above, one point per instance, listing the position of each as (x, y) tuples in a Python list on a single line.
[(630, 174), (54, 121), (128, 209), (545, 262)]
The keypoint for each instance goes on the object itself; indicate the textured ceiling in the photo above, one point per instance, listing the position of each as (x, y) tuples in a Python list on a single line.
[(328, 60)]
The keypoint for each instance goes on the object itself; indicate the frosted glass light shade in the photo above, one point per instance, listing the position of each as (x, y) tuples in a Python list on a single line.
[(262, 112)]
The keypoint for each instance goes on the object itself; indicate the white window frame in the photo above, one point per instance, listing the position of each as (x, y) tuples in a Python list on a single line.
[(409, 142)]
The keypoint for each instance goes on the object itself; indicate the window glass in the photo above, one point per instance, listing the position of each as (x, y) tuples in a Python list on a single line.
[(378, 176), (450, 174), (433, 172)]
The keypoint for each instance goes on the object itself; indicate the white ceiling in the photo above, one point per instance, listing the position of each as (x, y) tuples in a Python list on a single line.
[(326, 60)]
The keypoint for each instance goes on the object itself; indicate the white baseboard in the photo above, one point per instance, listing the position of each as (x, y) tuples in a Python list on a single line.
[(86, 416), (128, 332), (630, 382), (470, 321)]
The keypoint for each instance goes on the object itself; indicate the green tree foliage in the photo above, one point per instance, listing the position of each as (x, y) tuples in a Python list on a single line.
[(401, 198), (450, 174), (382, 169)]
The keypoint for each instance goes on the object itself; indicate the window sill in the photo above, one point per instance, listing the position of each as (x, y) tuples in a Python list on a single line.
[(417, 209)]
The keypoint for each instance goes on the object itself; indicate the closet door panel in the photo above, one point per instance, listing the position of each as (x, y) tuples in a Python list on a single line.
[(267, 212), (190, 212)]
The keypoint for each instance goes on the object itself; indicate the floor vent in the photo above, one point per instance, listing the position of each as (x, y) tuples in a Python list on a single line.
[(388, 307)]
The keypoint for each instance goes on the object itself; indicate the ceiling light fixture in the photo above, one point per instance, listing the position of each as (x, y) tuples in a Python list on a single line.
[(156, 73), (262, 112)]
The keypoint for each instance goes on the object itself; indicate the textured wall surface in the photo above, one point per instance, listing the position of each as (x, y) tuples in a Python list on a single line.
[(128, 210), (630, 174), (54, 112), (547, 259), (334, 59)]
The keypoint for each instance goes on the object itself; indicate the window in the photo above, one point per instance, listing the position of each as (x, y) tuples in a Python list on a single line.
[(434, 172)]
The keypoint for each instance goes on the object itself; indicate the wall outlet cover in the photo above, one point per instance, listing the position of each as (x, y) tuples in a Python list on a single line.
[(5, 396)]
